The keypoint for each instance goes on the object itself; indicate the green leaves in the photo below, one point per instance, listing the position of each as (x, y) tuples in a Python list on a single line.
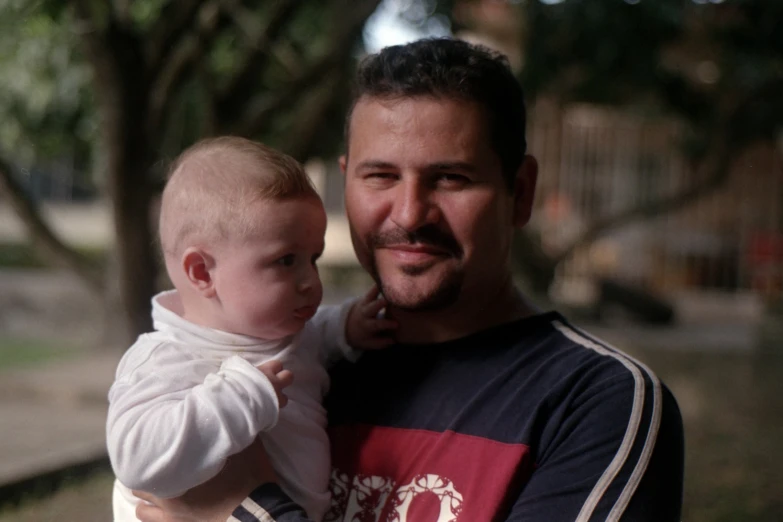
[(693, 61), (45, 107)]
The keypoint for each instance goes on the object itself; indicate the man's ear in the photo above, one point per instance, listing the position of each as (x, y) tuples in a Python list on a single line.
[(199, 266), (343, 163), (525, 191)]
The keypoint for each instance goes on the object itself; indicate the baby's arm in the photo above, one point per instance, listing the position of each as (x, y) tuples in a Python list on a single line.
[(172, 422), (345, 329), (364, 330)]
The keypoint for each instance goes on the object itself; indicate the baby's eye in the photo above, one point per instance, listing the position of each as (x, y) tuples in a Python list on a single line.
[(287, 260)]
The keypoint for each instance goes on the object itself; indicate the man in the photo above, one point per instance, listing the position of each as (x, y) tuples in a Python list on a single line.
[(486, 409)]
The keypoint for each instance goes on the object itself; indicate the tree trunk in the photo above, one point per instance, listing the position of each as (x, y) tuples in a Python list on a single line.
[(127, 140), (137, 265), (131, 192)]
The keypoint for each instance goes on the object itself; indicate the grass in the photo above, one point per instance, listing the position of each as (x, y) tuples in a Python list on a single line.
[(731, 404), (18, 352), (85, 501)]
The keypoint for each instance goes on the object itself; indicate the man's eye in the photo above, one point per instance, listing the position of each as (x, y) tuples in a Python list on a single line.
[(453, 179), (381, 175), (287, 260)]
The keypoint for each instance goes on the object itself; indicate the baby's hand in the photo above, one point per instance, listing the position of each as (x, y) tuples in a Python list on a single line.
[(279, 378), (364, 329)]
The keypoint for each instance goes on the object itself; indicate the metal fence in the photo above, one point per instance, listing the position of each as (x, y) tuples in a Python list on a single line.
[(596, 162)]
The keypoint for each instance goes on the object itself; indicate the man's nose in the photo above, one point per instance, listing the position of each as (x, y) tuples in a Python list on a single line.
[(413, 206)]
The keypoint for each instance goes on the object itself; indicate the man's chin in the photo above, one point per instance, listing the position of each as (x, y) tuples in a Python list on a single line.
[(412, 294)]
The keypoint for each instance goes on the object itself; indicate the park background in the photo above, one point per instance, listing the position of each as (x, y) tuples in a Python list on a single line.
[(658, 125)]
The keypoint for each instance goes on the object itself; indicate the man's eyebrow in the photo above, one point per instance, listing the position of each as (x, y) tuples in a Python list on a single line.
[(460, 166), (375, 164)]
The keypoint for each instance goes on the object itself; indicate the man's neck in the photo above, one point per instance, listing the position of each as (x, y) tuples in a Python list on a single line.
[(463, 318)]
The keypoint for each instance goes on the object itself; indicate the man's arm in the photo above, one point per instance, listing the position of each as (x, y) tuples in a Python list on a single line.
[(233, 495), (621, 460)]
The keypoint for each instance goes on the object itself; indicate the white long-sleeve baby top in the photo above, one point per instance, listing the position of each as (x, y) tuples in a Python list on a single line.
[(186, 397)]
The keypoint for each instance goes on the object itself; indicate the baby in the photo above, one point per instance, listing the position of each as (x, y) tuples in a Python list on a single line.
[(241, 229)]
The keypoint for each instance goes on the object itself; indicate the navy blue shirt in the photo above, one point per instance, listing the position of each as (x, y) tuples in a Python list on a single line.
[(533, 420)]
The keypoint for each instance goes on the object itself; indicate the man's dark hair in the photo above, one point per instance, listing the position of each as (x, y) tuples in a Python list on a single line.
[(454, 69)]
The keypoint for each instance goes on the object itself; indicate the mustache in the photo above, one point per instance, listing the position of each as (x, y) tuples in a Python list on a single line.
[(426, 235)]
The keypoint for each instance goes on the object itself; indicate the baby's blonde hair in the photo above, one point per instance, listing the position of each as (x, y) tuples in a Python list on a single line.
[(212, 184)]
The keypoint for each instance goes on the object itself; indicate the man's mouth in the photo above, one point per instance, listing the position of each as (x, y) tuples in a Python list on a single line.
[(426, 243), (416, 252)]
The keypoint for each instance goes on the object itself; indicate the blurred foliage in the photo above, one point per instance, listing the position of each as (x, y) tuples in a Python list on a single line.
[(48, 89), (679, 56), (715, 64), (45, 103), (600, 50)]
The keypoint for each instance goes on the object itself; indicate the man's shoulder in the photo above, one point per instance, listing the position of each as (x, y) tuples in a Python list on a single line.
[(570, 347), (561, 366)]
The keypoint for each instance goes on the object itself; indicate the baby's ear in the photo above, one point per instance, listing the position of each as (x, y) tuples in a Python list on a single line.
[(198, 266)]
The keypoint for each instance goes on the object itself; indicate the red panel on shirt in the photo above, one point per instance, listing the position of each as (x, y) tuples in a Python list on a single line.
[(392, 474)]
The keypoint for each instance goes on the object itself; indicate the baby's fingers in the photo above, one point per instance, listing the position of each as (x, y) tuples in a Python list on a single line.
[(372, 309), (270, 368), (372, 294), (382, 325), (279, 382), (285, 378), (278, 377)]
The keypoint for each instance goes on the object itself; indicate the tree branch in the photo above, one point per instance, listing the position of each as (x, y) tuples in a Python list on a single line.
[(91, 31), (180, 61), (122, 11), (43, 237), (714, 170), (302, 135), (242, 85), (726, 140), (174, 23), (347, 31), (111, 50)]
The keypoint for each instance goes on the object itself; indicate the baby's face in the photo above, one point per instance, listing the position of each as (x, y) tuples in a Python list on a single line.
[(268, 285)]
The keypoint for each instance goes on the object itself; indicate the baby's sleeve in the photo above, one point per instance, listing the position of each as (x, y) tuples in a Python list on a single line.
[(329, 326), (174, 420)]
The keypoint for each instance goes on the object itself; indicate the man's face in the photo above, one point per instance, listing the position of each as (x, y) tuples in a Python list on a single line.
[(431, 217)]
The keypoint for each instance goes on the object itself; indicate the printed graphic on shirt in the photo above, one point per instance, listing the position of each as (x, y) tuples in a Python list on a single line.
[(465, 478)]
